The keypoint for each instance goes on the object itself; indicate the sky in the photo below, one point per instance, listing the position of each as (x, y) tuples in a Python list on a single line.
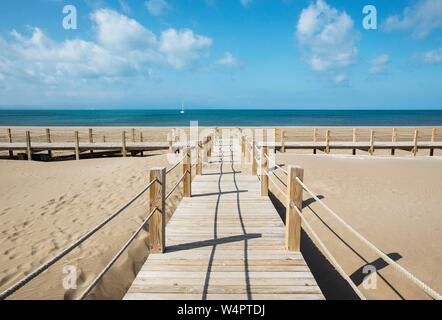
[(303, 54)]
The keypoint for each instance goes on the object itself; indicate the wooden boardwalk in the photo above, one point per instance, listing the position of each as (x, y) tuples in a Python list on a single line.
[(225, 242)]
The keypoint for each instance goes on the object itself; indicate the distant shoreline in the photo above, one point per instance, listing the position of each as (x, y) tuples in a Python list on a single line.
[(220, 118)]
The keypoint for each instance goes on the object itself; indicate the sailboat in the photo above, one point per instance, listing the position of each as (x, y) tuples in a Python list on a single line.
[(182, 108)]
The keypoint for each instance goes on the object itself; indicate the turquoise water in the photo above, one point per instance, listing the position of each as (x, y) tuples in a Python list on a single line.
[(220, 118)]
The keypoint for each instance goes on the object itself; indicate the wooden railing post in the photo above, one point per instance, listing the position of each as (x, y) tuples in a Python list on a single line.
[(11, 152), (157, 223), (141, 140), (198, 165), (243, 149), (416, 135), (48, 140), (254, 164), (294, 199), (123, 142), (77, 146), (170, 141), (393, 140), (91, 139), (433, 139), (315, 139), (327, 141), (133, 135), (371, 150), (354, 140), (187, 171), (28, 145), (264, 170), (283, 141)]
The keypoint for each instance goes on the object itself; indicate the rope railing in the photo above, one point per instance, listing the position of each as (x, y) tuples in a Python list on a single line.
[(115, 258), (176, 185), (331, 258), (23, 281), (275, 185), (265, 168), (176, 165), (275, 164), (432, 293)]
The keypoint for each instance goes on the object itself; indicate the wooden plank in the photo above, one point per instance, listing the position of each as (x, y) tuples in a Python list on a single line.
[(224, 236)]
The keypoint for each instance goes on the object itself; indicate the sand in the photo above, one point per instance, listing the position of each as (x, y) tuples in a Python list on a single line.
[(45, 206), (393, 202)]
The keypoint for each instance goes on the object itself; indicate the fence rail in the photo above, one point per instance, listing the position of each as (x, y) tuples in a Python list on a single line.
[(293, 197), (155, 218)]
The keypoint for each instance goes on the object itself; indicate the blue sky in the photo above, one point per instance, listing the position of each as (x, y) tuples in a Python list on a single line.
[(221, 53)]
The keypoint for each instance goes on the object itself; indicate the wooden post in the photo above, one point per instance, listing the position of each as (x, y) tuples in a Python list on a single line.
[(254, 164), (315, 134), (187, 171), (104, 139), (28, 145), (77, 146), (433, 139), (371, 150), (283, 141), (141, 140), (198, 165), (123, 142), (209, 146), (133, 135), (416, 134), (327, 141), (264, 170), (170, 141), (354, 140), (91, 138), (11, 153), (393, 140), (294, 199), (48, 140), (243, 147), (157, 223)]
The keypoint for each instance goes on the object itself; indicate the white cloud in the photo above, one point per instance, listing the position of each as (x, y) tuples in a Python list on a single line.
[(421, 18), (117, 31), (180, 47), (157, 7), (245, 3), (123, 48), (328, 37), (433, 57), (379, 63), (228, 60)]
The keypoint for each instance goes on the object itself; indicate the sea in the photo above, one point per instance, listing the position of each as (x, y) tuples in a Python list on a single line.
[(220, 117)]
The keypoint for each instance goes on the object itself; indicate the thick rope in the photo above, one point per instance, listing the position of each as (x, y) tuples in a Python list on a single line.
[(332, 259), (432, 293), (276, 165), (176, 185), (60, 255), (176, 165), (276, 185), (115, 258)]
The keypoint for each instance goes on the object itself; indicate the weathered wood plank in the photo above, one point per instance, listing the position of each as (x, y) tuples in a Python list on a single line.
[(225, 242)]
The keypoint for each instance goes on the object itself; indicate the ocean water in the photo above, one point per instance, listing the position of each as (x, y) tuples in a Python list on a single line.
[(219, 117)]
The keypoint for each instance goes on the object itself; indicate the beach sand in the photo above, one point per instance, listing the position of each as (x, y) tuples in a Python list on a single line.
[(47, 206), (393, 201)]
